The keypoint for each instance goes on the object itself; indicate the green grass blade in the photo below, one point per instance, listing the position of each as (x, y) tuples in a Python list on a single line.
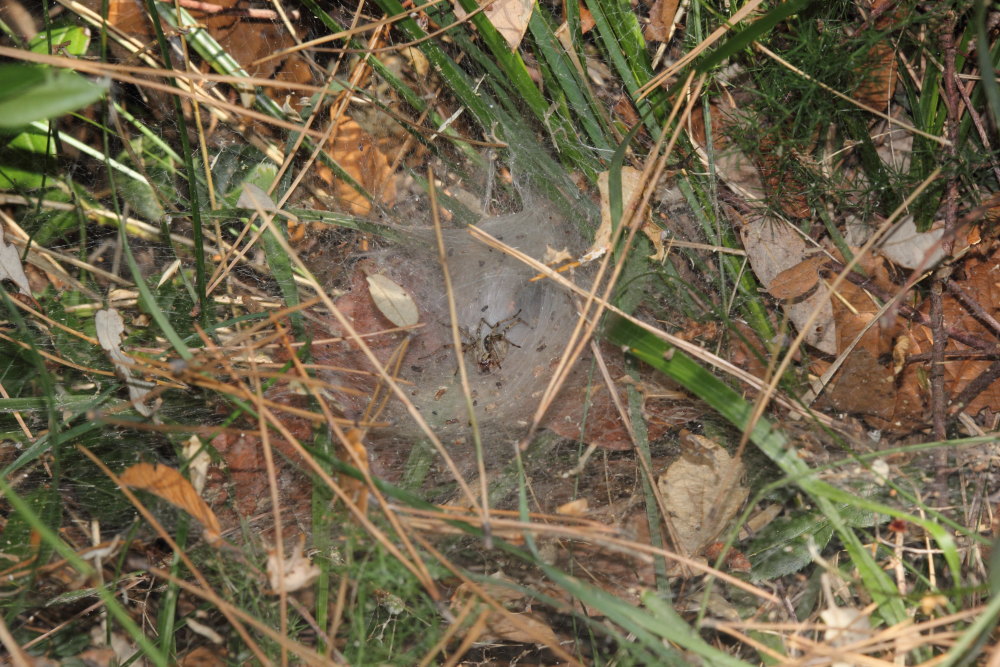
[(742, 39)]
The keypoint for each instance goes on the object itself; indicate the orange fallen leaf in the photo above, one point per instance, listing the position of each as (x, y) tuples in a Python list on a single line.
[(576, 507), (168, 484), (355, 151)]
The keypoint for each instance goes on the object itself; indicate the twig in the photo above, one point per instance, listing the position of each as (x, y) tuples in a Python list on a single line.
[(908, 312), (950, 211), (976, 387), (937, 359)]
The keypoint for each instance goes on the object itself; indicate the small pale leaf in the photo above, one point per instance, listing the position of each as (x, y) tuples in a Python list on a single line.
[(110, 327), (11, 268), (393, 301), (253, 197)]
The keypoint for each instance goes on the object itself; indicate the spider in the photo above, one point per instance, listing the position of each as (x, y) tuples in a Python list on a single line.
[(490, 346)]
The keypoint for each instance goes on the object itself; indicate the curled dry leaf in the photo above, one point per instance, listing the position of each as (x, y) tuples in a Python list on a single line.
[(631, 179), (392, 300), (198, 460), (509, 17), (576, 507), (506, 626), (168, 484), (110, 327), (703, 491), (773, 247), (298, 571), (555, 257), (11, 268)]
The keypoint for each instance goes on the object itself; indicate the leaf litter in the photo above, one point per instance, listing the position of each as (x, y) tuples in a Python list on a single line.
[(516, 328)]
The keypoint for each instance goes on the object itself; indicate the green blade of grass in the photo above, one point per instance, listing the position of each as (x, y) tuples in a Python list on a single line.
[(742, 39)]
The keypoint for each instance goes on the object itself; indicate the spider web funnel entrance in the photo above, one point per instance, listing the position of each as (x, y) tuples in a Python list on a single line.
[(514, 330)]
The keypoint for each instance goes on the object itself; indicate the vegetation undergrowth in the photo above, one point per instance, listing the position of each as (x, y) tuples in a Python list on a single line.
[(503, 333)]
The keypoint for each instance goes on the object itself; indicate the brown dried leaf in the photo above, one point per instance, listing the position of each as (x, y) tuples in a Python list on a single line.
[(862, 386), (980, 282), (510, 18), (507, 626), (355, 151), (247, 39), (661, 20), (772, 247), (168, 484), (798, 280), (703, 491)]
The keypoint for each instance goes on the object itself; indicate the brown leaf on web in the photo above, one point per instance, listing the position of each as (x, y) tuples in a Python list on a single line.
[(357, 154), (703, 490), (510, 18), (392, 300), (169, 485)]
